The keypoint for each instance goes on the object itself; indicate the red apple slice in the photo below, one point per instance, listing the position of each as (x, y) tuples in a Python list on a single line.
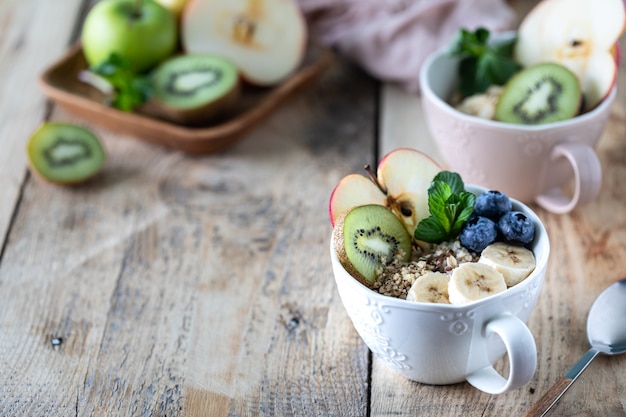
[(407, 174), (266, 39), (353, 190), (579, 34), (402, 180)]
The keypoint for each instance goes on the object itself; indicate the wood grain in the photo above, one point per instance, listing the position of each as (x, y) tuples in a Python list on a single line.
[(26, 48), (176, 285), (185, 285)]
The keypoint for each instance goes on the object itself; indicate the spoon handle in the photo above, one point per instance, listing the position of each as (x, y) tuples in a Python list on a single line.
[(557, 390), (550, 398)]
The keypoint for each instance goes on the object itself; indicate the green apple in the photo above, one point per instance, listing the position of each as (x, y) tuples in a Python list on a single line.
[(141, 31)]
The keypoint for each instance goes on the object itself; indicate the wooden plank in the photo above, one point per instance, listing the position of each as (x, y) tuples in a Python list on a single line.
[(187, 285), (30, 40), (403, 124)]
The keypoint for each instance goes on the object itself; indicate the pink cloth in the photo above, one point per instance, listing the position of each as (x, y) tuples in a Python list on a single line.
[(391, 38)]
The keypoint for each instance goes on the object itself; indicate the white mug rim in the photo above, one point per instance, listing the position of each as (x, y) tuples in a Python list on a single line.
[(541, 257)]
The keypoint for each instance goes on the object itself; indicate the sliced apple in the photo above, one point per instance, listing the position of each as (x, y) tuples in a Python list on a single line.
[(266, 39), (579, 34), (354, 190), (401, 183), (174, 6)]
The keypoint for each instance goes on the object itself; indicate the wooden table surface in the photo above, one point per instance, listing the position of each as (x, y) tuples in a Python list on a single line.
[(180, 285)]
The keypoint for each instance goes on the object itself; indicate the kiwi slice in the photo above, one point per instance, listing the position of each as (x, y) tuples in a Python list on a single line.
[(65, 153), (538, 94), (367, 237), (193, 89)]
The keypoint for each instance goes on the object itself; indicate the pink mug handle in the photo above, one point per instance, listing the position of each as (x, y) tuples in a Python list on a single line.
[(587, 178)]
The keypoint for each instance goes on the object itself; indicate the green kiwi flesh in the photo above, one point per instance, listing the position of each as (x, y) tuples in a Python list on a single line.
[(192, 89), (367, 237), (64, 153), (542, 93)]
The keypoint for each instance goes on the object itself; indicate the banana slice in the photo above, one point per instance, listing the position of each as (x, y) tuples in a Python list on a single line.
[(515, 263), (432, 287), (472, 281)]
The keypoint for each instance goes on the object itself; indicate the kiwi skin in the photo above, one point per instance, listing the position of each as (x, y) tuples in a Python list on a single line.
[(340, 240), (562, 103), (192, 115), (76, 168)]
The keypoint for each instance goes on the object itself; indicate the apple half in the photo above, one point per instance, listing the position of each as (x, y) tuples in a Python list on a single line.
[(266, 39), (579, 34), (401, 184)]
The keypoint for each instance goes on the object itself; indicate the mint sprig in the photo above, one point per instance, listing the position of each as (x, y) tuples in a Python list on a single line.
[(450, 206), (481, 64), (130, 89)]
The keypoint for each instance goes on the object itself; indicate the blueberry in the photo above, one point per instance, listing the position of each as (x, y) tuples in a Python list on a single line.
[(478, 233), (516, 227), (492, 204)]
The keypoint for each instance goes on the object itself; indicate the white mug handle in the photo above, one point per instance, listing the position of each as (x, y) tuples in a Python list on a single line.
[(522, 353), (587, 178)]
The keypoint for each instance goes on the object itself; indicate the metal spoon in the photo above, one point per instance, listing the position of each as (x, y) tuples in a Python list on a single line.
[(606, 332)]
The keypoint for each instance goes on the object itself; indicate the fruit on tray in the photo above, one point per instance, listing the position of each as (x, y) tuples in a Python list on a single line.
[(64, 153), (542, 93), (367, 237), (266, 39), (401, 184), (192, 89), (579, 34), (142, 32)]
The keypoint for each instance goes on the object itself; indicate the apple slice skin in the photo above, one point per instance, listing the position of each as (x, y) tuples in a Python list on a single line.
[(403, 175), (407, 175), (266, 39), (351, 191), (579, 34)]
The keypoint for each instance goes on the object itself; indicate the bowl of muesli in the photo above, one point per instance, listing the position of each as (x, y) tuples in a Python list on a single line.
[(534, 162), (439, 341)]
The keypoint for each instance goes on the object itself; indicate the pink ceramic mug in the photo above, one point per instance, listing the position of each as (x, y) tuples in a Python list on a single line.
[(529, 163)]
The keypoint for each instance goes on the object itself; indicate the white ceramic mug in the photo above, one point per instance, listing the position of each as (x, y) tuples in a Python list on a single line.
[(527, 162), (445, 344)]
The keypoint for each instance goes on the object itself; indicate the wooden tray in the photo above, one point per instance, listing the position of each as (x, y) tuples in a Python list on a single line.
[(61, 84)]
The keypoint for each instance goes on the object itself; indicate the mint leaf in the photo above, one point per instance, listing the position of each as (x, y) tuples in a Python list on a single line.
[(452, 179), (466, 208), (439, 194), (482, 65), (130, 90), (430, 230), (450, 206)]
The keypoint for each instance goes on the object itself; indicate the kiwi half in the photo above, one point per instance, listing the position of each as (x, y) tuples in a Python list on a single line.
[(193, 89), (367, 237), (64, 153), (542, 93)]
